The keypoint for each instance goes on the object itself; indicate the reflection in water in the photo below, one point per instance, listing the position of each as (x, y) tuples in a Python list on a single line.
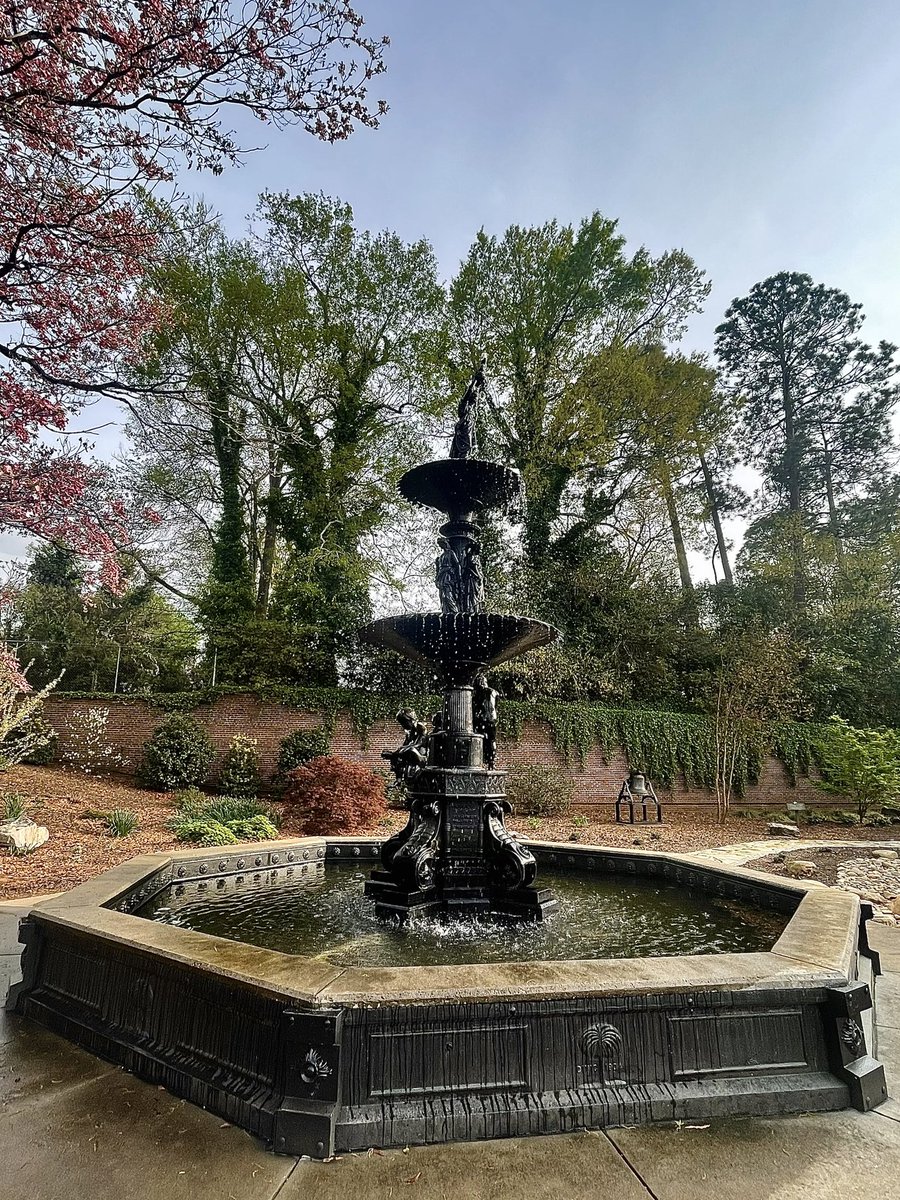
[(321, 912)]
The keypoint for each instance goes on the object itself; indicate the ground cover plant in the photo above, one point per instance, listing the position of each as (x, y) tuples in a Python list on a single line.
[(221, 820)]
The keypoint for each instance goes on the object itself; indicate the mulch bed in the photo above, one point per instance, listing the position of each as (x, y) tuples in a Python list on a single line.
[(827, 859), (80, 848)]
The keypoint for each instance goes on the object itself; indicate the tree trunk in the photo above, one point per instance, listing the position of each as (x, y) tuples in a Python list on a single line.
[(269, 545), (712, 501), (230, 561), (792, 458), (833, 523), (684, 572)]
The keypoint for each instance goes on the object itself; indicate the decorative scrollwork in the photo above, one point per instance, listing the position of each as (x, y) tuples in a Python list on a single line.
[(511, 864), (314, 1068), (851, 1034)]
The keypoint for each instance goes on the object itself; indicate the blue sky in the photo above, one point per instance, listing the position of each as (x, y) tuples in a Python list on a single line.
[(758, 135)]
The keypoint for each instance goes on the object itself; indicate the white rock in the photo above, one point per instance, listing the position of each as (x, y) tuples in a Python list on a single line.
[(23, 835), (783, 829), (800, 868), (886, 854)]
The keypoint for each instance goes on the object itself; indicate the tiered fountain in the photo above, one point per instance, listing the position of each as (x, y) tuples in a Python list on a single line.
[(256, 980), (456, 854)]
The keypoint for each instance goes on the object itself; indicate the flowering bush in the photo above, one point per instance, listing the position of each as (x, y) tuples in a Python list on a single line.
[(240, 770), (87, 745), (22, 731), (178, 754), (332, 796)]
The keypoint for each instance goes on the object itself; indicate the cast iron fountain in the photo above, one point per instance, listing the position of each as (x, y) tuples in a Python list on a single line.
[(456, 854), (256, 980)]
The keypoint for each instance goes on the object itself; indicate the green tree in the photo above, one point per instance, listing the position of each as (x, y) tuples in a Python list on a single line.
[(816, 403), (95, 639), (298, 367), (544, 304), (861, 764)]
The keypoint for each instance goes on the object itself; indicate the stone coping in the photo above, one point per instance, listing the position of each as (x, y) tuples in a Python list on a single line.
[(816, 950)]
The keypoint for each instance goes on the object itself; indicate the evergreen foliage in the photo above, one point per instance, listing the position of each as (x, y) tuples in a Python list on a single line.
[(178, 754), (535, 790), (299, 747), (221, 821)]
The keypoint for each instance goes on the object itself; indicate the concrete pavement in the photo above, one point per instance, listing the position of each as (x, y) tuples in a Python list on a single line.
[(74, 1128)]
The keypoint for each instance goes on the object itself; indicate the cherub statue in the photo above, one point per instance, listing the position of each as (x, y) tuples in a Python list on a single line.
[(484, 711), (472, 579), (407, 759)]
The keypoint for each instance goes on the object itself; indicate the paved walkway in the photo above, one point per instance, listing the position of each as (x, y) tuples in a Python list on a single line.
[(74, 1128), (739, 853)]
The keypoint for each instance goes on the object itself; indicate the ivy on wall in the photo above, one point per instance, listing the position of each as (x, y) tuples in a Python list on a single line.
[(664, 745)]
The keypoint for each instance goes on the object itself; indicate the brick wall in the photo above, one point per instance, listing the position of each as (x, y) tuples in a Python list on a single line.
[(130, 723)]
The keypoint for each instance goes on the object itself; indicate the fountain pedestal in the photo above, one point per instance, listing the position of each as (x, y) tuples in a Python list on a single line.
[(455, 854)]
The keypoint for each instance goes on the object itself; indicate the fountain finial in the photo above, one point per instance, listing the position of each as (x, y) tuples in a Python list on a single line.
[(465, 437)]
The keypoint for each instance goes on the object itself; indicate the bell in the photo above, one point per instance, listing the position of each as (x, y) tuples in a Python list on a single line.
[(638, 786)]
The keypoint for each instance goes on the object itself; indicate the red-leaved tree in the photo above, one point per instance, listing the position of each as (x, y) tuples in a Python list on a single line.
[(99, 100)]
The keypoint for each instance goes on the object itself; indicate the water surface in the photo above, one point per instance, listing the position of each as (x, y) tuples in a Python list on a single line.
[(321, 912)]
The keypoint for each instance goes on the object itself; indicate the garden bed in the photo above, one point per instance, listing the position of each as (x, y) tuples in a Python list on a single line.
[(79, 846), (855, 868)]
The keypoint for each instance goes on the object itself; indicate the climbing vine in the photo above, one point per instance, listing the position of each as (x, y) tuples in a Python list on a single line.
[(666, 746)]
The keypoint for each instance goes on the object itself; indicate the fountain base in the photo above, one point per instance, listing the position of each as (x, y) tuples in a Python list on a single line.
[(455, 854)]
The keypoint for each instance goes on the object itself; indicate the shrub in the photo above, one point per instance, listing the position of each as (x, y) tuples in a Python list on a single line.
[(222, 820), (204, 833), (13, 806), (121, 822), (843, 816), (861, 764), (88, 746), (257, 828), (332, 796), (878, 818), (190, 800), (240, 770), (35, 738), (301, 747), (539, 791), (20, 707), (817, 816), (177, 755)]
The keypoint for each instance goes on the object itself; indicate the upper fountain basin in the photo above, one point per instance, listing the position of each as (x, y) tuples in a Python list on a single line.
[(460, 645), (461, 485)]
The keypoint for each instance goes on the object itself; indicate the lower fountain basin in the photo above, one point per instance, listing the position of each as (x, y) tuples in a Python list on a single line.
[(321, 912), (319, 1057)]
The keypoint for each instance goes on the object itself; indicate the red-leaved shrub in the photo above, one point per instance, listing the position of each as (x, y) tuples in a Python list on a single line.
[(331, 796)]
